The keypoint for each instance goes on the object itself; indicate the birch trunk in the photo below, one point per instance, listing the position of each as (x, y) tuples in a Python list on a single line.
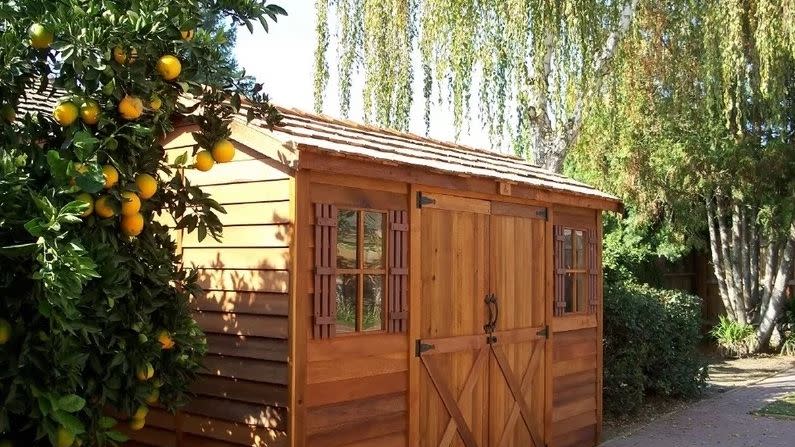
[(775, 304), (717, 262), (733, 285)]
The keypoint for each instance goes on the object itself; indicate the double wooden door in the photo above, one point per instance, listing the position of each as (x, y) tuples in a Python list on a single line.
[(482, 344)]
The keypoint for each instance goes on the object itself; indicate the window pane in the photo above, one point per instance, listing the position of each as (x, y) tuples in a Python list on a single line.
[(567, 248), (568, 292), (579, 244), (346, 302), (582, 290), (347, 226), (373, 240), (373, 302)]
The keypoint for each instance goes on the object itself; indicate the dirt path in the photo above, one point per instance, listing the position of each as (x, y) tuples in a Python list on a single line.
[(722, 420)]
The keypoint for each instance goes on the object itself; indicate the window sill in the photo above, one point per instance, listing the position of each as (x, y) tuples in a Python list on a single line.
[(573, 322)]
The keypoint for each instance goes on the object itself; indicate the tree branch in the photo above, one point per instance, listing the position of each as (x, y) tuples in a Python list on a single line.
[(599, 68)]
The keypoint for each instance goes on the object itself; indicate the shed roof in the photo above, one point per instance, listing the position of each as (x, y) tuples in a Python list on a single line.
[(321, 133)]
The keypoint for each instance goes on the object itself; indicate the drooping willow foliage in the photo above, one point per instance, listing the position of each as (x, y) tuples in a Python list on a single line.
[(530, 65), (695, 131)]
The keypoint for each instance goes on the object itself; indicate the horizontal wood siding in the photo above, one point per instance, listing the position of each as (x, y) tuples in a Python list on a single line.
[(355, 392), (574, 388), (242, 395)]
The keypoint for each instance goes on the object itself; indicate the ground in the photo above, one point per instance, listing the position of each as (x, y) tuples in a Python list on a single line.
[(723, 417)]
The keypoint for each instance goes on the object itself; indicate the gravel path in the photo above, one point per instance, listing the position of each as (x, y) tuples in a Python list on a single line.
[(722, 421)]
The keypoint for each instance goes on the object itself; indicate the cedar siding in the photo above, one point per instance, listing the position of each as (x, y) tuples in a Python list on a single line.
[(241, 397), (355, 385)]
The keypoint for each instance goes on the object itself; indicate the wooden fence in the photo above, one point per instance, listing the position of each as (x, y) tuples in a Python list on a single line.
[(693, 274)]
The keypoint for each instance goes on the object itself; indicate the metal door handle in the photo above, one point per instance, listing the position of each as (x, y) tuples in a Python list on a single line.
[(493, 313)]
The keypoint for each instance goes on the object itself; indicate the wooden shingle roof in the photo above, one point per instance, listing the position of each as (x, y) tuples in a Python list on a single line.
[(315, 132), (352, 139)]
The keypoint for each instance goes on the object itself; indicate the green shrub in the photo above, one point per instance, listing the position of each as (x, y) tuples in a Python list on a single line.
[(651, 339), (734, 339), (788, 345)]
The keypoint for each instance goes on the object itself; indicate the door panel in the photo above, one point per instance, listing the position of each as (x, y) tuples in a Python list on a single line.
[(478, 390), (517, 280), (454, 282)]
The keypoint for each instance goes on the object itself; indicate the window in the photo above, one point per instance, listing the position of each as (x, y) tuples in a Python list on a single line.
[(361, 270), (575, 271)]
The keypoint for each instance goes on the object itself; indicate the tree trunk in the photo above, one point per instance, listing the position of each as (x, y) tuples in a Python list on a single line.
[(717, 262), (730, 272), (775, 303)]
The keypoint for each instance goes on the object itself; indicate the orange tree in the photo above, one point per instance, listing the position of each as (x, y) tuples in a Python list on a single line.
[(94, 309)]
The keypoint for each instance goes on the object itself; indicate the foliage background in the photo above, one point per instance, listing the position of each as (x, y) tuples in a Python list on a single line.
[(85, 302)]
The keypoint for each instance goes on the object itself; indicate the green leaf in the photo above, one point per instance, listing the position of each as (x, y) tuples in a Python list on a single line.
[(116, 436), (58, 166), (106, 422), (91, 181), (182, 159), (69, 422), (85, 145), (19, 250), (71, 403)]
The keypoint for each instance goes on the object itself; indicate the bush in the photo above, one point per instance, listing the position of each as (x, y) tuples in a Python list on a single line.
[(734, 339), (651, 339)]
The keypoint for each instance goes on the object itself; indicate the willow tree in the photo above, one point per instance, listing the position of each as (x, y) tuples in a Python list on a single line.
[(535, 64), (696, 133)]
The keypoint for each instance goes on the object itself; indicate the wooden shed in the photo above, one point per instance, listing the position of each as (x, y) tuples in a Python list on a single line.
[(376, 288)]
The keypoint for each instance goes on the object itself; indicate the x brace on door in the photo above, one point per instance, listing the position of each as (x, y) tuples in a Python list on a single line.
[(484, 346)]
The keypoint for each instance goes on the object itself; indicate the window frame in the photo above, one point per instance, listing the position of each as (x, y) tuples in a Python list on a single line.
[(361, 271), (585, 271)]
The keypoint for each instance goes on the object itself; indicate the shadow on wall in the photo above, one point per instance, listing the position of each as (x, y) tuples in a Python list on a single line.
[(242, 396)]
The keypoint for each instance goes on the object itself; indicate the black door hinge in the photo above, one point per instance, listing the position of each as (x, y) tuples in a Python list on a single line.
[(544, 332), (542, 213), (422, 347), (424, 200)]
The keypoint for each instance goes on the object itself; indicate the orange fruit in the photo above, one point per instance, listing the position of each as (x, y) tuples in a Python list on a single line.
[(89, 112), (153, 397), (132, 225), (65, 113), (103, 208), (166, 342), (137, 424), (40, 37), (155, 103), (204, 161), (145, 372), (223, 151), (130, 203), (64, 437), (5, 331), (86, 198), (141, 412), (187, 34), (147, 186), (119, 55), (169, 67), (111, 176), (122, 56), (131, 107)]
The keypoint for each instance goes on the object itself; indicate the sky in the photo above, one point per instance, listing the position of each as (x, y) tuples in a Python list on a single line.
[(283, 60)]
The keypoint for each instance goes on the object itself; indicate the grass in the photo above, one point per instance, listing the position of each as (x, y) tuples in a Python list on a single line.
[(783, 408)]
